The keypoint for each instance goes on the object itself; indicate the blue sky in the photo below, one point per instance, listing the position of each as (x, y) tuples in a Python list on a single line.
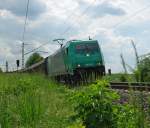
[(113, 23)]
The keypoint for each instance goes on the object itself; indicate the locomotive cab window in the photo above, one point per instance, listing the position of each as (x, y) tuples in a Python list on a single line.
[(87, 48)]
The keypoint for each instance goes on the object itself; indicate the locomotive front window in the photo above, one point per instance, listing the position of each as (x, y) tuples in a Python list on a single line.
[(87, 48), (80, 47)]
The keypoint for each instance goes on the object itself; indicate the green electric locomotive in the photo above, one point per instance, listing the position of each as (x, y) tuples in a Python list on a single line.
[(76, 60)]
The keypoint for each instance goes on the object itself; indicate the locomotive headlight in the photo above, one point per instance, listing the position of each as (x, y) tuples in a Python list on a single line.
[(79, 65), (98, 63), (87, 54)]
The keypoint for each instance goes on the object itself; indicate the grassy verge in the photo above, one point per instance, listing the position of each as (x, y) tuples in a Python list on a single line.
[(119, 78), (33, 101)]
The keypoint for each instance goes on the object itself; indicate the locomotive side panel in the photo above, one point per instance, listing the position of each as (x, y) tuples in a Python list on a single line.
[(56, 65)]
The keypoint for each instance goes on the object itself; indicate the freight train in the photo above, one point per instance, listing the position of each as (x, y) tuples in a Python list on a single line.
[(73, 62)]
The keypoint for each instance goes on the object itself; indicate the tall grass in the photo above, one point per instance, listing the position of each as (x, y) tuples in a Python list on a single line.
[(32, 101)]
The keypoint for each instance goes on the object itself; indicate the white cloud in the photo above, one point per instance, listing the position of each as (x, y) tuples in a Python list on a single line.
[(56, 17)]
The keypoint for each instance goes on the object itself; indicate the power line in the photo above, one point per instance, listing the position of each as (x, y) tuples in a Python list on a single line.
[(129, 17), (25, 23), (132, 16), (35, 49), (45, 43), (70, 27), (24, 30), (66, 30), (69, 16), (83, 13)]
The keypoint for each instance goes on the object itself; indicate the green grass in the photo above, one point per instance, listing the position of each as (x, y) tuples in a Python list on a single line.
[(118, 77), (32, 101)]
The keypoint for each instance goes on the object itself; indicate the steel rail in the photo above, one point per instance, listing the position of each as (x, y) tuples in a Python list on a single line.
[(139, 86)]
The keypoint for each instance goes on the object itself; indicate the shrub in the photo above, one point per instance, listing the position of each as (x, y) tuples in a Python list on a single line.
[(123, 78), (1, 70), (95, 106), (144, 67), (100, 107)]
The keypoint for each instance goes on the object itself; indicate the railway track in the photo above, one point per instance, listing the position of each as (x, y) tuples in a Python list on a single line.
[(133, 86)]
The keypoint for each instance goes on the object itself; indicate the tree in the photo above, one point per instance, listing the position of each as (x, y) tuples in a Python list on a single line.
[(1, 70), (144, 67), (33, 59)]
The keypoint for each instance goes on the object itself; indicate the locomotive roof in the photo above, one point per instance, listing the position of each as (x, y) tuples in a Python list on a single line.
[(78, 41), (72, 41)]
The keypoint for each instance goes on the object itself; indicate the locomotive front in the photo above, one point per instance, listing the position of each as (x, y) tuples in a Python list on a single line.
[(87, 58), (76, 61)]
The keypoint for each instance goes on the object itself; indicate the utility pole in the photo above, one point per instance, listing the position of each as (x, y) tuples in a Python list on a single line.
[(136, 53), (123, 64), (6, 66), (17, 63), (24, 31), (23, 55)]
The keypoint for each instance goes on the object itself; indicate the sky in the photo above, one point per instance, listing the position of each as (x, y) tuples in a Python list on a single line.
[(114, 23)]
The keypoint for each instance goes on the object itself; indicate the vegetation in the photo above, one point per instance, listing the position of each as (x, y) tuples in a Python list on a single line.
[(119, 77), (95, 106), (1, 70), (34, 101), (33, 59), (141, 71), (31, 101), (98, 105), (144, 68)]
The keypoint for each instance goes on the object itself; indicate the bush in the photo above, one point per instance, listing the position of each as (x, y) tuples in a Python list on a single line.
[(95, 106), (101, 107), (123, 78), (144, 68), (1, 70)]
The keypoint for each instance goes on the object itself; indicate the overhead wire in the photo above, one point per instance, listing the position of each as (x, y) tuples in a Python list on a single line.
[(66, 30), (35, 49), (25, 23), (79, 18), (24, 31), (48, 42), (83, 13), (129, 17), (132, 16), (69, 16)]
